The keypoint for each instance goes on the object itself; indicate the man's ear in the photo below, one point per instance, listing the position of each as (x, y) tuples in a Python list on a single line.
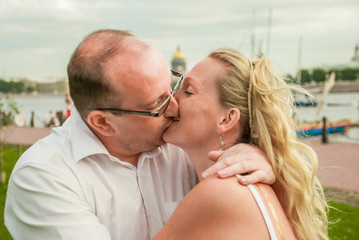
[(101, 122), (228, 120)]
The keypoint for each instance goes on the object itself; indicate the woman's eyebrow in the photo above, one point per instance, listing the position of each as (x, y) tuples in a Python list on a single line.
[(188, 81)]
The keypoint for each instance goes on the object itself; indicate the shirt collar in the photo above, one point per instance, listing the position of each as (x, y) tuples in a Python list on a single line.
[(152, 154), (86, 143), (83, 141)]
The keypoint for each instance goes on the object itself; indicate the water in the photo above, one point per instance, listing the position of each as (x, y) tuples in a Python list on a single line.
[(348, 109), (41, 105)]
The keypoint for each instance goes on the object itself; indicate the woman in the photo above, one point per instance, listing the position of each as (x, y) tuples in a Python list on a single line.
[(226, 99)]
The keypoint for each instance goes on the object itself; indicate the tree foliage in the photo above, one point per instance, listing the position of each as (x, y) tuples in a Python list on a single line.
[(305, 76), (349, 74), (11, 87), (8, 109), (289, 78), (319, 75)]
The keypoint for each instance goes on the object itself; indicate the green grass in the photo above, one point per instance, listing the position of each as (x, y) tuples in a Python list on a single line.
[(345, 221), (345, 217), (10, 156)]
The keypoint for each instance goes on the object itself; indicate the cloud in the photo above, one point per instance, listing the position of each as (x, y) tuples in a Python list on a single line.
[(49, 31)]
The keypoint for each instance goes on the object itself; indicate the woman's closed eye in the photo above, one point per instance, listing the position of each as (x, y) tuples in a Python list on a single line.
[(188, 90)]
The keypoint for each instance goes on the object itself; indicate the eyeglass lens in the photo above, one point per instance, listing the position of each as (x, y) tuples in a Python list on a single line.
[(177, 87)]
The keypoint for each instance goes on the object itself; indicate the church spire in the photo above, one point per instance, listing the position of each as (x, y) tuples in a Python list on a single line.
[(355, 58)]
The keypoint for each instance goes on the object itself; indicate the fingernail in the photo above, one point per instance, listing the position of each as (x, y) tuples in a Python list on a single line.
[(204, 174), (244, 181)]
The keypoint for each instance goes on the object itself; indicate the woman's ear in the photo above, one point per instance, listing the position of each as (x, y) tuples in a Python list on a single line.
[(101, 122), (229, 120)]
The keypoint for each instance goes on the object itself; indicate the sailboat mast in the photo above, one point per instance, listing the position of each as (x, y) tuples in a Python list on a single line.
[(299, 67), (269, 30), (253, 36)]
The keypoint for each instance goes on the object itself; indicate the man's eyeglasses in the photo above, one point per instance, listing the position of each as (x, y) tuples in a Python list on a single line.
[(160, 110)]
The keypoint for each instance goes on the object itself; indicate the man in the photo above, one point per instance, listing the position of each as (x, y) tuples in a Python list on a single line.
[(107, 173)]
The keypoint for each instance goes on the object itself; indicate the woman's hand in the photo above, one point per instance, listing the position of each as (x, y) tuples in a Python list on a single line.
[(241, 159)]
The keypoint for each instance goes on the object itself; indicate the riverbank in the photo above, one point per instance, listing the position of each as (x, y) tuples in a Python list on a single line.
[(33, 95), (339, 87)]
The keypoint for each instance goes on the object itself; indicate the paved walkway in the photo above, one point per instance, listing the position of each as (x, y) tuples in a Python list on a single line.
[(338, 170), (22, 136), (338, 164)]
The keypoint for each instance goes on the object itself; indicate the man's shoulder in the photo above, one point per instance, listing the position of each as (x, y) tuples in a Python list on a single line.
[(46, 151)]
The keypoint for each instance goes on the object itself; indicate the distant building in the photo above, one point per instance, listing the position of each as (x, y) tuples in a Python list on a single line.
[(60, 86), (178, 62)]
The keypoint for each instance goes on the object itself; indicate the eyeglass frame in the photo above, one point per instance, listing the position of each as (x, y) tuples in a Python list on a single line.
[(164, 105)]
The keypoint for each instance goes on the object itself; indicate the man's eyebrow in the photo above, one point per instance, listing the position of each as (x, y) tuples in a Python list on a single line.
[(155, 103)]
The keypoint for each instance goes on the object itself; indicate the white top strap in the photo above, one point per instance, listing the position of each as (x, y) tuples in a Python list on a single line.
[(263, 209)]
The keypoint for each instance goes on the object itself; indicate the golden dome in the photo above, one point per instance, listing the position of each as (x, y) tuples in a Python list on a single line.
[(178, 53)]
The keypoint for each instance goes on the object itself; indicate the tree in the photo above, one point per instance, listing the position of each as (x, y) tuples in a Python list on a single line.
[(349, 74), (8, 109), (338, 73), (29, 89), (289, 78), (12, 87), (17, 87), (305, 76), (319, 75), (5, 87)]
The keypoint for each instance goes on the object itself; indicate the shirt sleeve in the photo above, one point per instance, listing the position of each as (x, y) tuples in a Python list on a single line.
[(44, 203)]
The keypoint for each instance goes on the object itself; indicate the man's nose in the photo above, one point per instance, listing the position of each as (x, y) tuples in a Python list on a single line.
[(172, 110)]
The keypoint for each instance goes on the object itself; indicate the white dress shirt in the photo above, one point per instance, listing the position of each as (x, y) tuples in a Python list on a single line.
[(67, 186)]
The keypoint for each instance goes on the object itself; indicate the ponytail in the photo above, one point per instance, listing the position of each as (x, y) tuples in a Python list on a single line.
[(266, 105)]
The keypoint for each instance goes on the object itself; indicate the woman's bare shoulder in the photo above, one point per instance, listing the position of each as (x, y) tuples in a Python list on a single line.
[(215, 209), (216, 189), (225, 199), (228, 196)]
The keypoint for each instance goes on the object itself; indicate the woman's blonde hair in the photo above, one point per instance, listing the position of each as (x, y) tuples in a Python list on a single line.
[(266, 105)]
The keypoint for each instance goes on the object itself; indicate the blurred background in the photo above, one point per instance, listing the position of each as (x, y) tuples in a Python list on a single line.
[(306, 40)]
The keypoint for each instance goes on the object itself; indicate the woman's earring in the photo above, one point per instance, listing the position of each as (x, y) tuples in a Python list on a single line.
[(222, 143)]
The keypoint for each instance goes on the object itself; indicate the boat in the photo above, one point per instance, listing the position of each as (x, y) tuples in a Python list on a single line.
[(314, 129), (306, 103), (328, 85)]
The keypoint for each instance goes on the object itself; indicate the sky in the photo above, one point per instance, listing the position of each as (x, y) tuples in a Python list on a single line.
[(37, 37)]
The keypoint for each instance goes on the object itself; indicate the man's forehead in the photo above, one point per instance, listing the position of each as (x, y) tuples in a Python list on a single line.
[(140, 73), (143, 91)]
